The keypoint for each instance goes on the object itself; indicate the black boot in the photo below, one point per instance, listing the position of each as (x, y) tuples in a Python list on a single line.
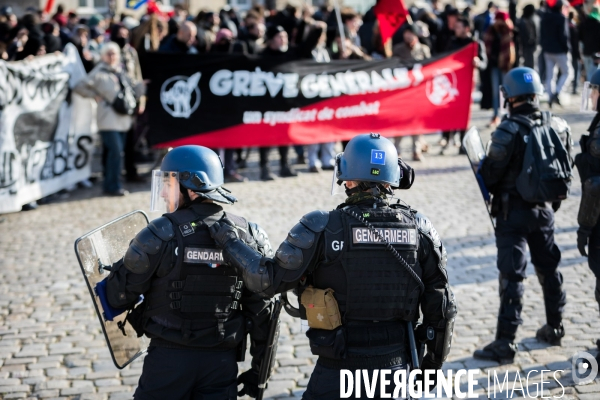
[(265, 174), (550, 335), (286, 171), (500, 350)]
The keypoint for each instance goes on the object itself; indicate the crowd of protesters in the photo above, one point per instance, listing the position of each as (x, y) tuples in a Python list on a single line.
[(560, 42)]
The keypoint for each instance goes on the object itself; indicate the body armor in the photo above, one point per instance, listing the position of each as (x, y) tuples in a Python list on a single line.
[(195, 291), (368, 282), (588, 161), (376, 292)]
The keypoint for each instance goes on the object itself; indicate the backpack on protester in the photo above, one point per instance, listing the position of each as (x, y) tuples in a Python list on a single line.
[(546, 173), (125, 102)]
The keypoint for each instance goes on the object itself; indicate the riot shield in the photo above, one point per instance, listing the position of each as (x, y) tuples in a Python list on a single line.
[(268, 362), (476, 153), (96, 252)]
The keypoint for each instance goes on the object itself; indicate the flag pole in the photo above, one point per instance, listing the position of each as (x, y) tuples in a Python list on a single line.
[(338, 15)]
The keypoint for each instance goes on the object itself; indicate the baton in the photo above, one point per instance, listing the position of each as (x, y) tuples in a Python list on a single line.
[(413, 345)]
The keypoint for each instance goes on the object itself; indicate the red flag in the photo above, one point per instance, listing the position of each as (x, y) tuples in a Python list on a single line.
[(551, 3), (49, 5), (391, 14)]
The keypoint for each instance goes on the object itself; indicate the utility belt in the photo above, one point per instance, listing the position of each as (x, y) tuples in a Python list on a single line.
[(334, 344), (160, 342), (210, 345), (377, 362), (504, 202)]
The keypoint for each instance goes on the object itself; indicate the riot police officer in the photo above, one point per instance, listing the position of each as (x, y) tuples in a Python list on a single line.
[(520, 222), (361, 271), (196, 308), (588, 165)]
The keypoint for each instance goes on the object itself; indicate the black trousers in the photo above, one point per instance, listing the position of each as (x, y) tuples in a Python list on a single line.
[(264, 155), (594, 257), (533, 227), (188, 374), (324, 384)]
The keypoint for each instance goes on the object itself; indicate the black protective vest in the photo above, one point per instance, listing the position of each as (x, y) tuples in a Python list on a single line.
[(588, 161), (369, 282), (200, 290)]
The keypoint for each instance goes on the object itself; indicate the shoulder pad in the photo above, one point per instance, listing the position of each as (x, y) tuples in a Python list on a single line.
[(300, 236), (594, 145), (559, 125), (502, 137), (262, 239), (289, 256), (316, 221), (496, 151), (240, 222), (136, 260), (163, 228), (147, 241), (426, 228), (509, 126)]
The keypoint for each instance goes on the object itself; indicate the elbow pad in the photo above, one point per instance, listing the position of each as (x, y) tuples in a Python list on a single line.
[(589, 209), (445, 329), (249, 263)]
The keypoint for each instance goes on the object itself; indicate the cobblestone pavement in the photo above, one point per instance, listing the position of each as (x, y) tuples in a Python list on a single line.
[(51, 345)]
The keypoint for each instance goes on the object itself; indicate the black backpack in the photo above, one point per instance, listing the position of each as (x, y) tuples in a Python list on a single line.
[(546, 173), (125, 102)]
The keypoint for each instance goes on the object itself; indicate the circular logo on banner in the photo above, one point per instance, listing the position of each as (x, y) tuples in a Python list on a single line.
[(180, 95), (441, 89)]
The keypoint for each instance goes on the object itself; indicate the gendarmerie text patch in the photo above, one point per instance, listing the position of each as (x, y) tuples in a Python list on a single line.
[(202, 256), (392, 235)]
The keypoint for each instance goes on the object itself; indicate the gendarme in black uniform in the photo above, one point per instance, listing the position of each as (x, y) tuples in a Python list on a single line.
[(588, 165), (196, 308), (520, 223), (375, 294)]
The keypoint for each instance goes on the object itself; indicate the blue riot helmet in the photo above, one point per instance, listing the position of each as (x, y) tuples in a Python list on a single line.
[(590, 93), (371, 158), (196, 168), (521, 81)]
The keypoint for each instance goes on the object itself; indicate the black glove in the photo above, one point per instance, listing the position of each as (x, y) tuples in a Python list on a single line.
[(583, 237), (429, 363), (223, 231), (250, 381), (556, 205)]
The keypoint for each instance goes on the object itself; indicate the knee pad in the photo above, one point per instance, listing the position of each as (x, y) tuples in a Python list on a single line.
[(511, 291)]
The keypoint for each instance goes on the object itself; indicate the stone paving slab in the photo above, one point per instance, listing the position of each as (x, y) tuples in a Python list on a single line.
[(51, 345)]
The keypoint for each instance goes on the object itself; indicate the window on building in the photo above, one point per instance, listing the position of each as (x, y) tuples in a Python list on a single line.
[(92, 6)]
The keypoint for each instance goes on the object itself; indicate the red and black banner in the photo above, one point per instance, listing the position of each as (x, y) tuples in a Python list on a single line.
[(228, 101)]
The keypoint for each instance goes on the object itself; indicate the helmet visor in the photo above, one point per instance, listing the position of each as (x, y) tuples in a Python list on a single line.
[(337, 188), (589, 98), (164, 193)]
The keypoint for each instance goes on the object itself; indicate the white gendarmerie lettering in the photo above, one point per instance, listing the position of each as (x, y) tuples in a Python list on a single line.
[(391, 235), (202, 256)]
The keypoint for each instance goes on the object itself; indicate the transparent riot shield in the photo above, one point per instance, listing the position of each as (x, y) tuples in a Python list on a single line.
[(96, 252), (476, 153)]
